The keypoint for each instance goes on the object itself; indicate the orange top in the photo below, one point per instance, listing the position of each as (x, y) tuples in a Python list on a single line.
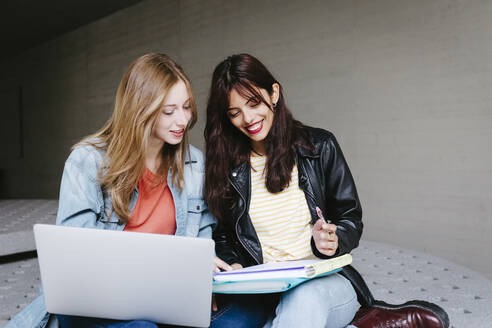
[(154, 211)]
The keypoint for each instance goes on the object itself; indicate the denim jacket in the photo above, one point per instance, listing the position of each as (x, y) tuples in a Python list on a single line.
[(82, 203)]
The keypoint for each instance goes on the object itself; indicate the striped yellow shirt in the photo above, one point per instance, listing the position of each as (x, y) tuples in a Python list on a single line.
[(282, 220)]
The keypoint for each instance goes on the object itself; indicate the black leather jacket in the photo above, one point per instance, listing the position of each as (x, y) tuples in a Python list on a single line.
[(326, 180)]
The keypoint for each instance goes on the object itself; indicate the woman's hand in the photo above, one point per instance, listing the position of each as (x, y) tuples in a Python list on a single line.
[(325, 238), (221, 265), (236, 266)]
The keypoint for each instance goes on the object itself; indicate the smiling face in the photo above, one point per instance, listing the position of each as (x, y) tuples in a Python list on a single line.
[(175, 114), (252, 116)]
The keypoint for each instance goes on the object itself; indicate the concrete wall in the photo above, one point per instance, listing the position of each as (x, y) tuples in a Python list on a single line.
[(405, 86)]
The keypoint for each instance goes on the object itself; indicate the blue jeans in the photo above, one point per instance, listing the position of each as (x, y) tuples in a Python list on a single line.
[(327, 302), (243, 311), (70, 321), (237, 311)]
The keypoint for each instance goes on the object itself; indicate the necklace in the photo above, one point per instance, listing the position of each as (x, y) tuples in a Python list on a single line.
[(257, 153)]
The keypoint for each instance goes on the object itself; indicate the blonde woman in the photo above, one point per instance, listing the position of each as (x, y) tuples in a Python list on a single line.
[(137, 173)]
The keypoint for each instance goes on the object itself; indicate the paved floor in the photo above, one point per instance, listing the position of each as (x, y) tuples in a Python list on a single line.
[(394, 274), (17, 217)]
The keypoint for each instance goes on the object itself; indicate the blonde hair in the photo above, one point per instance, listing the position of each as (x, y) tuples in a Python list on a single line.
[(126, 134)]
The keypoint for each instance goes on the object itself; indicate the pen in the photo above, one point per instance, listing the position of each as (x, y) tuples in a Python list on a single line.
[(320, 215)]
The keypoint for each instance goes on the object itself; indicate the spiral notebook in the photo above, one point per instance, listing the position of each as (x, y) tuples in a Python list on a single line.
[(276, 277)]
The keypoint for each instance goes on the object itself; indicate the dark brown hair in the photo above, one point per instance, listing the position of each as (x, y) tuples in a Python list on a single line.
[(227, 147)]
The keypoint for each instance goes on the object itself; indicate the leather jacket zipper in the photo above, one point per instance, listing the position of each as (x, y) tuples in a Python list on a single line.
[(237, 222), (311, 196), (304, 186), (304, 180)]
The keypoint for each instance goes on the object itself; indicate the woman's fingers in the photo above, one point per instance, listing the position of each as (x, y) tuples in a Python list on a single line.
[(318, 225), (321, 225), (221, 265), (328, 248), (330, 228), (214, 303), (328, 245), (323, 230), (325, 238), (236, 266)]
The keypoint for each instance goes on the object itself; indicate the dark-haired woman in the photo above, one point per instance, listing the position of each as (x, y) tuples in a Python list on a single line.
[(283, 191), (281, 178)]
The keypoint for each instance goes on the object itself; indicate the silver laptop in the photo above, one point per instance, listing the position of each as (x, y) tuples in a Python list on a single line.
[(125, 275)]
